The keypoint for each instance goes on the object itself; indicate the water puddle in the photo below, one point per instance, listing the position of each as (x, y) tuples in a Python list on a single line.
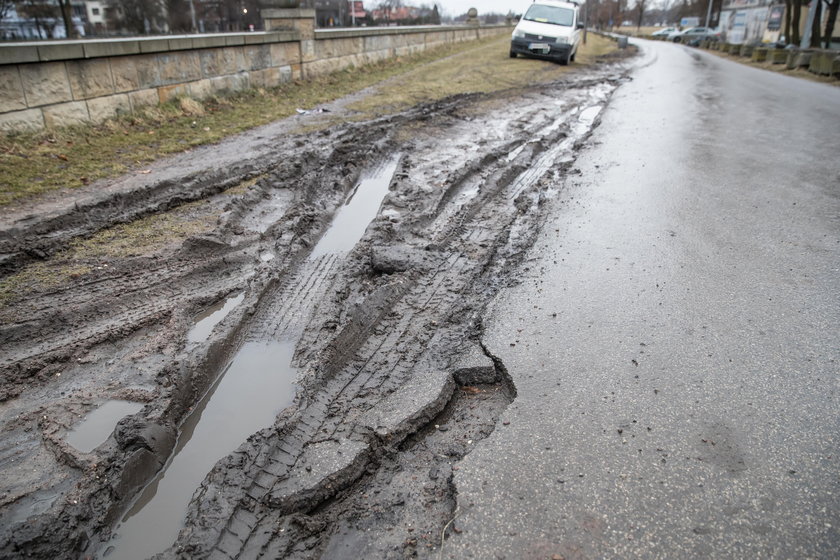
[(249, 394), (91, 432), (211, 317), (360, 208), (266, 257)]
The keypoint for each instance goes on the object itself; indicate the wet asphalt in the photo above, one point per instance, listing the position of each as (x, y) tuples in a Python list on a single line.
[(675, 338)]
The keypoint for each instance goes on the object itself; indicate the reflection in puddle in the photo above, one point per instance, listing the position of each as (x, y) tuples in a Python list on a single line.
[(98, 425), (249, 394), (361, 207), (211, 317)]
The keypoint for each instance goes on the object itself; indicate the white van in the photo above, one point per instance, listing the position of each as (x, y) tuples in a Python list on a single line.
[(549, 29)]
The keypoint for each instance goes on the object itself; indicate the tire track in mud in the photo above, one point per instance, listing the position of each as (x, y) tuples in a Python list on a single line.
[(381, 331), (423, 326)]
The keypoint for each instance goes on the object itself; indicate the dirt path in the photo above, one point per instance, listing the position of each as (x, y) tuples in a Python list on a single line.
[(383, 332)]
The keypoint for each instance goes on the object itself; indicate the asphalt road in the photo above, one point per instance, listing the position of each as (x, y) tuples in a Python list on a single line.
[(676, 336)]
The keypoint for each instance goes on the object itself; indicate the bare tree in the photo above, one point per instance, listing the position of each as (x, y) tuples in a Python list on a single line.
[(67, 15), (788, 7), (137, 16), (815, 31), (640, 7), (797, 17), (44, 14), (829, 23), (5, 8)]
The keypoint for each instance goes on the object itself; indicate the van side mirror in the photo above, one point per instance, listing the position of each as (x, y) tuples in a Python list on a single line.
[(580, 25)]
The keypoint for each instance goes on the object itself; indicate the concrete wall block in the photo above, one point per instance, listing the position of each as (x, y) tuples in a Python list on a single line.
[(208, 42), (135, 72), (284, 54), (66, 114), (266, 78), (45, 83), (201, 89), (181, 44), (286, 74), (256, 57), (179, 67), (220, 62), (143, 98), (329, 48), (90, 78), (102, 108), (307, 51), (96, 49), (377, 43), (229, 83), (60, 51), (11, 90), (168, 93), (150, 45), (29, 120), (18, 55)]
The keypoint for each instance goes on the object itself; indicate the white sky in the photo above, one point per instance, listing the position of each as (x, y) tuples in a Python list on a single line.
[(457, 7)]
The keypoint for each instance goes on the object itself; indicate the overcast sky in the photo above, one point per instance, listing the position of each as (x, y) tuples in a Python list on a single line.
[(457, 7)]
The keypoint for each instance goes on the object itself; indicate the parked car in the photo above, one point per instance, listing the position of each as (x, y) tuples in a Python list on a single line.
[(665, 31), (691, 34), (549, 29)]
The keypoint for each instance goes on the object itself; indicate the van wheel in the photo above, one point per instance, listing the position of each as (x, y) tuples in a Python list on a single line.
[(512, 54), (567, 59), (572, 58)]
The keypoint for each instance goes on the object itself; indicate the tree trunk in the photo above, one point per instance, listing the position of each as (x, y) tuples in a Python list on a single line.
[(788, 7), (641, 5), (829, 24), (797, 15), (815, 31), (67, 16)]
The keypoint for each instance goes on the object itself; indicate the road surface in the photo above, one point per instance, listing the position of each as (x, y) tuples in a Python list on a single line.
[(674, 341)]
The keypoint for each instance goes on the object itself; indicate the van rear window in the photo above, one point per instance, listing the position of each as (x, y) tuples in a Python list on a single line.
[(550, 14)]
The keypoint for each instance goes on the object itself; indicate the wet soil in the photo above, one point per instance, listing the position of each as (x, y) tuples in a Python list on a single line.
[(393, 386)]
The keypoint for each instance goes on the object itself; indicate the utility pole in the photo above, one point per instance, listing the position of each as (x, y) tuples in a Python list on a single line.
[(709, 13)]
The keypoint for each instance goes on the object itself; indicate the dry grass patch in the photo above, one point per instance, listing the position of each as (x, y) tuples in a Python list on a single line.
[(482, 69)]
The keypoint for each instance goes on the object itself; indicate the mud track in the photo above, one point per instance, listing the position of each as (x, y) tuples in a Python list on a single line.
[(394, 385)]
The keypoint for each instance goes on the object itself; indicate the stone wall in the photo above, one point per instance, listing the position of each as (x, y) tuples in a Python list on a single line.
[(62, 83)]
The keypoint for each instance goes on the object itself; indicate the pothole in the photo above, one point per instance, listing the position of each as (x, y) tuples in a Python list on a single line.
[(401, 507)]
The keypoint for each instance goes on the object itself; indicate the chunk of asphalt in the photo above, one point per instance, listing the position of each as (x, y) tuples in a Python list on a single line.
[(411, 407), (327, 466), (474, 367)]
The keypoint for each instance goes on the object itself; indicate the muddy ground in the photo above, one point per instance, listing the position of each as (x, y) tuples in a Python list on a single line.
[(393, 385)]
